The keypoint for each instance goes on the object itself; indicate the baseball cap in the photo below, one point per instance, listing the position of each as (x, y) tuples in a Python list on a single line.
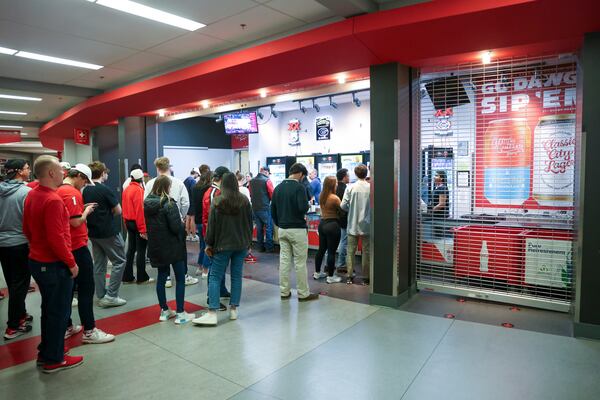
[(137, 174), (265, 168), (65, 165), (220, 171), (84, 169)]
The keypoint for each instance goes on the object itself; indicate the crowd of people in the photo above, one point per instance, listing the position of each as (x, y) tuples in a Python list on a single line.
[(46, 226)]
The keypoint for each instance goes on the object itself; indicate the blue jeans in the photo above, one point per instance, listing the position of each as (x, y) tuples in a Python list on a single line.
[(163, 273), (202, 245), (208, 261), (217, 274), (263, 220), (342, 249), (56, 287)]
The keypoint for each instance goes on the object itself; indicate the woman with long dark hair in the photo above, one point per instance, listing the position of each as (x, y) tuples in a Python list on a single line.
[(329, 230), (228, 237), (166, 246), (196, 211)]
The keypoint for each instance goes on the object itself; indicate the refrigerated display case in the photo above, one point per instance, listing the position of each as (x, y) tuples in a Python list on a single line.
[(279, 167), (350, 161), (307, 161), (326, 165)]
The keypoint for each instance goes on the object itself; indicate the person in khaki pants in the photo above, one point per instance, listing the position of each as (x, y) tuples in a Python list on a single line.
[(356, 203), (289, 205)]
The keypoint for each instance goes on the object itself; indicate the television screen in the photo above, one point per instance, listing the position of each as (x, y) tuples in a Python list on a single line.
[(242, 122)]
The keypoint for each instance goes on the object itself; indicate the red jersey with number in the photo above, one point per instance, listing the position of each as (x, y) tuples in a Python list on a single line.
[(74, 202)]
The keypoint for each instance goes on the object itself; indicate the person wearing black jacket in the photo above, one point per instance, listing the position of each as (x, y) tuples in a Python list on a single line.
[(228, 238), (343, 179), (166, 246), (195, 211)]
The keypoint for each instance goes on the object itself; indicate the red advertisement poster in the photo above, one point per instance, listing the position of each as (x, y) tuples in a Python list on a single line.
[(7, 136), (81, 136), (239, 141), (525, 147)]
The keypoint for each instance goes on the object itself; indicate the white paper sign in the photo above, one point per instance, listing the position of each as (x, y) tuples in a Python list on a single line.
[(547, 262)]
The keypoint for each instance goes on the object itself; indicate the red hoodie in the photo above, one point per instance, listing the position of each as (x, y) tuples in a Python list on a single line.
[(133, 205), (209, 195)]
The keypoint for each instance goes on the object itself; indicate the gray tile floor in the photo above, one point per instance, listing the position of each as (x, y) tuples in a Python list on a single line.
[(328, 349)]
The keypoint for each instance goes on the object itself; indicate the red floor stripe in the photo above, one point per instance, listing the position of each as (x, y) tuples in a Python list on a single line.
[(19, 352)]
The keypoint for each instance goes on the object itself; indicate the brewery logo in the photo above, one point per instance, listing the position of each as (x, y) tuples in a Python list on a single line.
[(294, 132), (323, 128), (293, 125), (443, 122)]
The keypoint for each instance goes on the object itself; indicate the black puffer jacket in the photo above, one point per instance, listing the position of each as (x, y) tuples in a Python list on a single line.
[(166, 233)]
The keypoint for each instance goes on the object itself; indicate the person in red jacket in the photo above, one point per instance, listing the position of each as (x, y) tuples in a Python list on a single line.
[(133, 215), (46, 226), (70, 192), (207, 200)]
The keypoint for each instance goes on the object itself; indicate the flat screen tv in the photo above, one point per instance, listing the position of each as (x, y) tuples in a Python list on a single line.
[(240, 122)]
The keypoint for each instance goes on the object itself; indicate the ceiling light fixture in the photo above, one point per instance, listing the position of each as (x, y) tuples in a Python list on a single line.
[(316, 106), (486, 57), (13, 112), (10, 96), (341, 79), (131, 7), (263, 93), (219, 119), (356, 100), (274, 113), (24, 134), (205, 104), (260, 114), (57, 60), (333, 103), (6, 50), (302, 108), (161, 113), (11, 127)]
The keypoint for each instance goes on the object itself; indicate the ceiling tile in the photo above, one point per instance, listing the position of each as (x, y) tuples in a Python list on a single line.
[(89, 84), (36, 40), (204, 11), (306, 10), (21, 68), (107, 77), (144, 63), (260, 22), (191, 46)]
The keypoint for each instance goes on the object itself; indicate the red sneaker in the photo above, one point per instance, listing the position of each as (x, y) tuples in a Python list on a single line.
[(40, 361), (69, 362), (10, 333), (27, 319), (250, 259)]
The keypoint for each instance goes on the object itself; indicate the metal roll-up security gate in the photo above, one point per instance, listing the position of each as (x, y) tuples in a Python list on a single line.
[(497, 168)]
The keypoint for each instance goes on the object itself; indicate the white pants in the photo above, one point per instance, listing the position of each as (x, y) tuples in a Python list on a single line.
[(294, 249)]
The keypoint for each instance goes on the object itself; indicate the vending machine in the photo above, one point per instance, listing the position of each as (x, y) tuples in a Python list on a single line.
[(279, 168), (350, 161), (327, 165)]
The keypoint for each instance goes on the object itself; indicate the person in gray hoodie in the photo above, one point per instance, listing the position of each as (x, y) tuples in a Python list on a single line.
[(14, 248)]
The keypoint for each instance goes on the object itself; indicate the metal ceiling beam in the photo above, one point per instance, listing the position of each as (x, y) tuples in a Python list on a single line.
[(49, 88), (28, 124), (349, 8)]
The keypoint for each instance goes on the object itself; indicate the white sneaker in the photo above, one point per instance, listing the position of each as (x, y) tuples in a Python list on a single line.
[(205, 275), (190, 280), (109, 301), (97, 336), (319, 275), (73, 330), (334, 279), (169, 283), (207, 319), (184, 318), (75, 302), (233, 314), (166, 315)]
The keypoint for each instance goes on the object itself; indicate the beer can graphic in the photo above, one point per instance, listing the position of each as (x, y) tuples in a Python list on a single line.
[(507, 161), (554, 160)]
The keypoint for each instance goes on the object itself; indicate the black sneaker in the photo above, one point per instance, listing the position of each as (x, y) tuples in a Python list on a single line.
[(366, 282), (349, 281), (226, 296), (222, 307), (312, 296)]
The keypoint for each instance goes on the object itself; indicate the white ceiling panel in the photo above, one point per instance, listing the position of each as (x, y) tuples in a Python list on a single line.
[(306, 10), (204, 11), (107, 77), (191, 46), (260, 22), (144, 62), (21, 68), (89, 84), (36, 40)]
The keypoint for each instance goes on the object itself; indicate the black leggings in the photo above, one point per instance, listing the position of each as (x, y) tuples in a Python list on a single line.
[(329, 239), (137, 244)]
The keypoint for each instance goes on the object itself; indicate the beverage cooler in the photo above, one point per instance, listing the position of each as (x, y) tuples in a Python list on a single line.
[(307, 161), (279, 167), (350, 161), (327, 165)]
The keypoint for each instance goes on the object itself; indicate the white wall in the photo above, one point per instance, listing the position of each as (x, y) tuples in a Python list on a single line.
[(350, 133), (76, 153)]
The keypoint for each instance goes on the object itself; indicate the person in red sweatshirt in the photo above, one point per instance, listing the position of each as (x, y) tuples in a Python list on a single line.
[(133, 215), (70, 192), (46, 226)]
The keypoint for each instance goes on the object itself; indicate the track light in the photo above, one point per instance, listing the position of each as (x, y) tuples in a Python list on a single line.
[(333, 103), (260, 114), (356, 100), (316, 106), (274, 113), (219, 119), (302, 108)]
